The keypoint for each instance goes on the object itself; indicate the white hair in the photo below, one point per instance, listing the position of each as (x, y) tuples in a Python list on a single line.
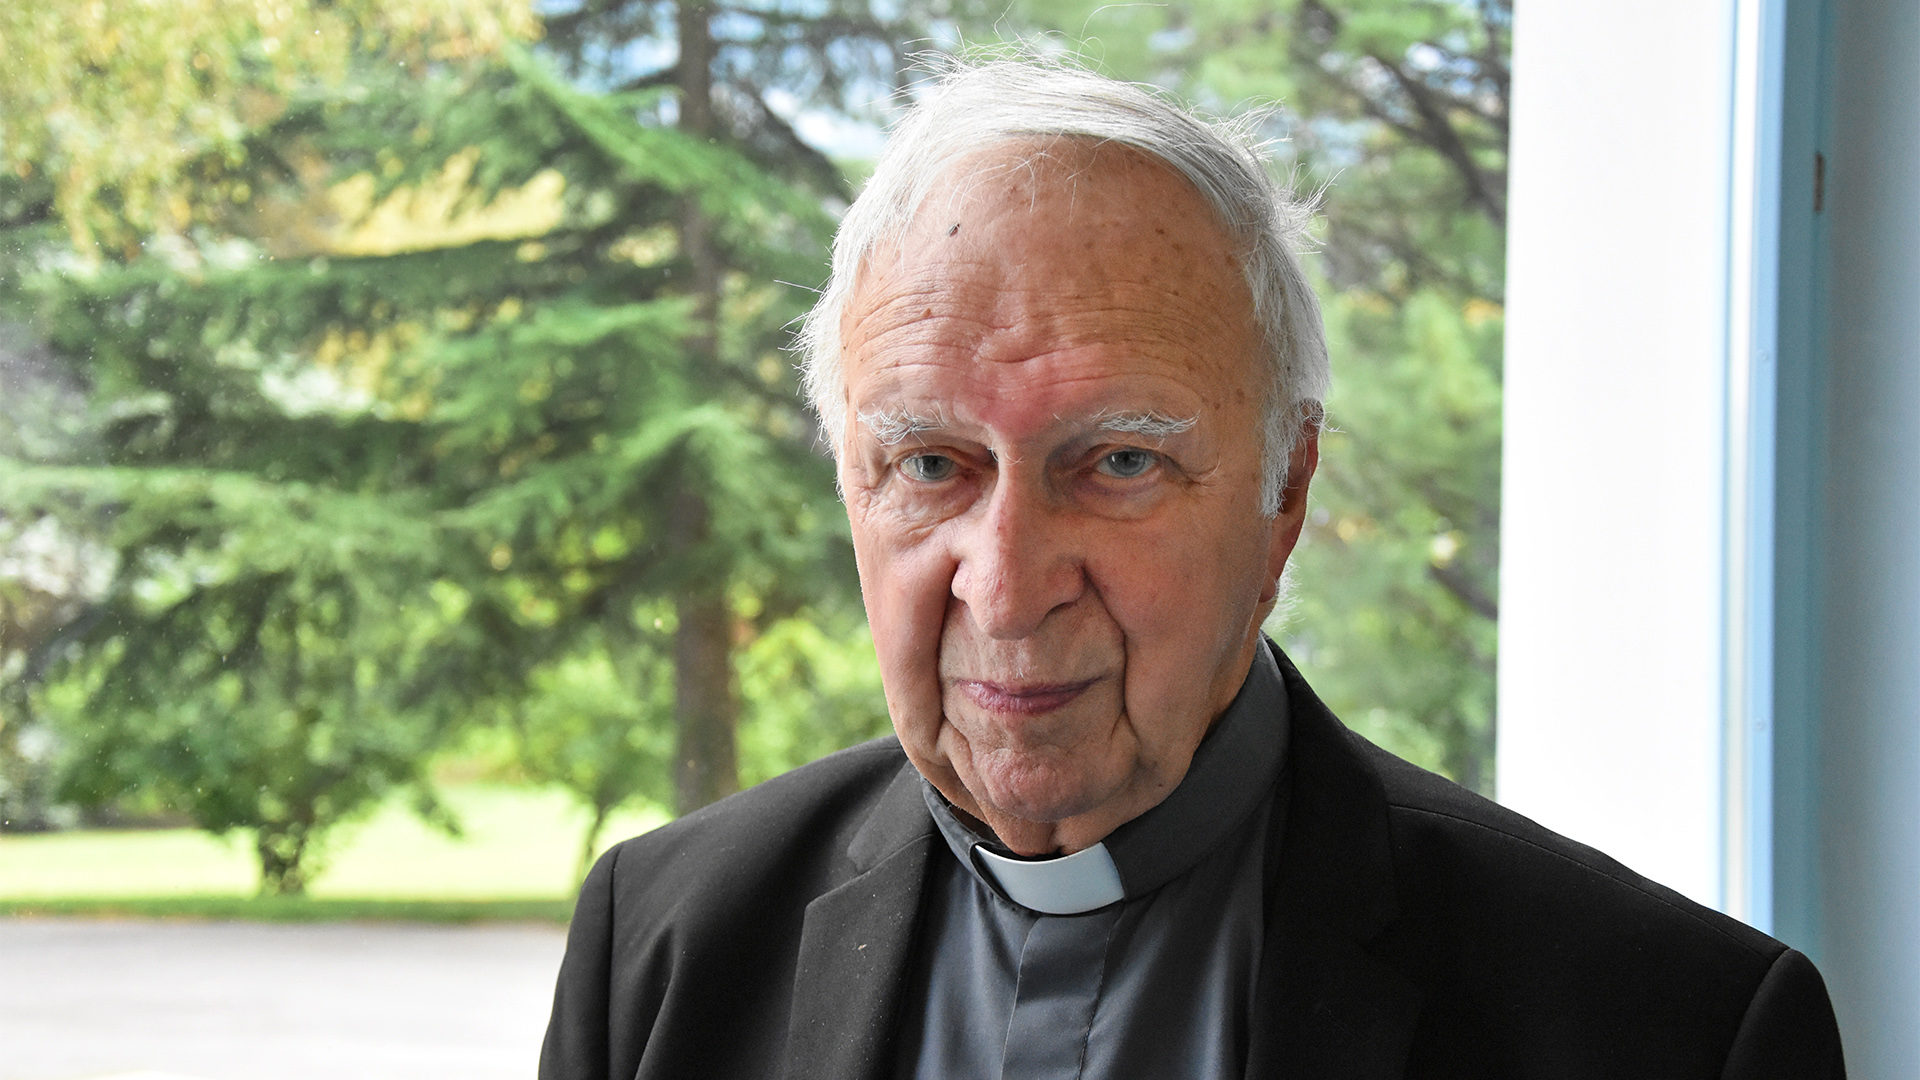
[(970, 106)]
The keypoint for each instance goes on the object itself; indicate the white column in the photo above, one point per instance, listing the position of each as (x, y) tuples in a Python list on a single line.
[(1613, 496)]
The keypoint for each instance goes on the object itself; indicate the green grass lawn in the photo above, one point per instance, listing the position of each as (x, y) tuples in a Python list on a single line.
[(515, 859)]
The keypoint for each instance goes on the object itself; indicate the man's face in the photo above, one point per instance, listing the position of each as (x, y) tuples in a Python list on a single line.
[(1052, 470)]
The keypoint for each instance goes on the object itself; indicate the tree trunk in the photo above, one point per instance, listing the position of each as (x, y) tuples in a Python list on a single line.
[(694, 74), (706, 707), (601, 811), (282, 851)]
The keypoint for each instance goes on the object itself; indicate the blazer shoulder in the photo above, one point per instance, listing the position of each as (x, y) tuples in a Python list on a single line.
[(1444, 831), (1467, 872), (1532, 944), (807, 815), (682, 954), (788, 836)]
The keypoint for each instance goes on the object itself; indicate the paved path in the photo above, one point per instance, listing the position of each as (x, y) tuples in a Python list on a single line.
[(86, 999)]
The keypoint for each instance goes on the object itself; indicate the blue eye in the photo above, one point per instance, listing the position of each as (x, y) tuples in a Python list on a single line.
[(928, 468), (1128, 463)]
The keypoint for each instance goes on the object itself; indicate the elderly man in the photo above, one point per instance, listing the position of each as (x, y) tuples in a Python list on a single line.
[(1071, 373)]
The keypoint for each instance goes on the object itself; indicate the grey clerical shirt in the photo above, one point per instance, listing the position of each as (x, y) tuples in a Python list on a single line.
[(1135, 957)]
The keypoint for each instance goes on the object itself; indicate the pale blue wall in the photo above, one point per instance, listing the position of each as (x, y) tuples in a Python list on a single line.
[(1859, 739)]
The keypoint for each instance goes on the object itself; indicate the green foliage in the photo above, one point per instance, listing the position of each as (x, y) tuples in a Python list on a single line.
[(1394, 613), (250, 660), (1403, 109), (811, 686), (371, 477), (139, 113), (597, 723), (47, 570)]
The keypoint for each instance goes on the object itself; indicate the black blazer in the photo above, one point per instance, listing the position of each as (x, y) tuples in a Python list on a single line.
[(1414, 930)]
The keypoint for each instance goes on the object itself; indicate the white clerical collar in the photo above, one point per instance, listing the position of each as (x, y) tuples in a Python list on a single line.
[(1064, 885)]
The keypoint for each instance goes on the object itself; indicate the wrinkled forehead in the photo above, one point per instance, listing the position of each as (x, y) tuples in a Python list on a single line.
[(1072, 222), (1075, 180)]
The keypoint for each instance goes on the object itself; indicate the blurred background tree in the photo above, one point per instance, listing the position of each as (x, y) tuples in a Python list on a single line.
[(428, 414), (249, 658), (381, 372), (228, 643)]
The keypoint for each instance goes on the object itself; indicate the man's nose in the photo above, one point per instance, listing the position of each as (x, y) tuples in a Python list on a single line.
[(1018, 560)]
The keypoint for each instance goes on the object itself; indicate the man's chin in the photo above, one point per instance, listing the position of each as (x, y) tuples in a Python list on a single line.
[(1033, 810)]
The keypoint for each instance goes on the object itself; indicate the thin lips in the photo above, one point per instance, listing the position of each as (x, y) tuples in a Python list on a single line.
[(1038, 697)]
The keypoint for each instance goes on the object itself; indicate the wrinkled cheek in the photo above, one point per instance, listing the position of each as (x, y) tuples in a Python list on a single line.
[(906, 606), (1177, 672)]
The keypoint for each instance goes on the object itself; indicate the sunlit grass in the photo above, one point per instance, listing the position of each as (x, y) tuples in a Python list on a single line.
[(517, 844)]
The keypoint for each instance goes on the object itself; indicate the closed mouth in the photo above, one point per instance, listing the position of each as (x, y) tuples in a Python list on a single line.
[(1025, 699)]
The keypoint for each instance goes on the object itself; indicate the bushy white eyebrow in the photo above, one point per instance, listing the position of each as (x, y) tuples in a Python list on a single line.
[(1153, 425), (894, 426)]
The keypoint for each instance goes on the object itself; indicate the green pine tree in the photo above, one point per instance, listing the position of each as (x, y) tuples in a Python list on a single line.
[(498, 420)]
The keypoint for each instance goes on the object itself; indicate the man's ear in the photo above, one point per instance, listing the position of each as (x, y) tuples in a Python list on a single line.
[(1293, 506)]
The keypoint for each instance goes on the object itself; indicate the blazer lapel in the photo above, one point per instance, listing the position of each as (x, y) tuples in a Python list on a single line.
[(856, 944), (1337, 1012), (1334, 1009)]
